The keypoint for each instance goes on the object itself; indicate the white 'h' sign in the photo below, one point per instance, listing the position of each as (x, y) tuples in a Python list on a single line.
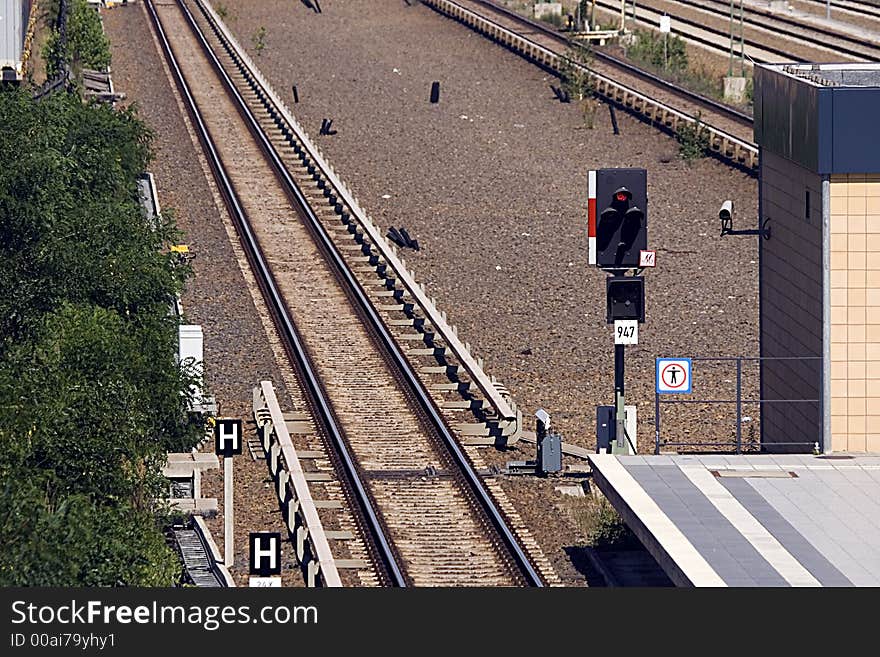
[(265, 553), (227, 437)]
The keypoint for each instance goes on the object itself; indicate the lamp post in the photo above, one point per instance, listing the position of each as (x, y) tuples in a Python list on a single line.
[(742, 46), (742, 43)]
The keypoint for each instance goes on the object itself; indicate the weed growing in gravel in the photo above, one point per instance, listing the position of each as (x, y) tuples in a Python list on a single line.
[(600, 524), (693, 140), (577, 81), (589, 107), (647, 48), (259, 40), (222, 11)]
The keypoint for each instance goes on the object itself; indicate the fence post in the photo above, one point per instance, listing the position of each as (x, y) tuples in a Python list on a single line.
[(656, 419), (739, 405)]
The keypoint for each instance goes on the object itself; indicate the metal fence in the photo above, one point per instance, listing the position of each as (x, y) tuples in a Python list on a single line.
[(737, 387)]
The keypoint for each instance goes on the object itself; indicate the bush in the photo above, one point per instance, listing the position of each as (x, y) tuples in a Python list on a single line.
[(647, 48), (577, 81), (693, 139), (600, 524), (91, 395), (87, 45)]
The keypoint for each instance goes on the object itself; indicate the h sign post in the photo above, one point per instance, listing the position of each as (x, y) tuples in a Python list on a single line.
[(265, 559), (227, 443)]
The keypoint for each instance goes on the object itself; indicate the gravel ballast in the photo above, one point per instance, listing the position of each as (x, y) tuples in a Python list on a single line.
[(492, 182)]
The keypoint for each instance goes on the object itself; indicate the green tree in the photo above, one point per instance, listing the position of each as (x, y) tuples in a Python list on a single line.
[(76, 542), (91, 395)]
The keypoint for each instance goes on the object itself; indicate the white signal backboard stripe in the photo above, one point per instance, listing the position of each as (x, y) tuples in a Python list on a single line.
[(591, 216)]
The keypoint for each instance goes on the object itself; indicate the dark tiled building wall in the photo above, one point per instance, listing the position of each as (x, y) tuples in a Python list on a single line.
[(791, 304)]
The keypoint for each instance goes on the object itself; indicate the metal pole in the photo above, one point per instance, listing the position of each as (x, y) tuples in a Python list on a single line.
[(739, 405), (656, 417), (665, 61), (619, 399), (742, 43), (228, 514), (730, 67)]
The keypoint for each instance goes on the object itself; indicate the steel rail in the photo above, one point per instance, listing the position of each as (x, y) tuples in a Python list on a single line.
[(509, 417), (274, 298), (849, 7), (756, 20)]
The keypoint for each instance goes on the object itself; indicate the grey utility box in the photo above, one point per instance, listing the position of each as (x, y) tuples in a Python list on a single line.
[(550, 453)]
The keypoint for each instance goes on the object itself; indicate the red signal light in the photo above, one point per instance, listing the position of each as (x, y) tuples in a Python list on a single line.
[(621, 197)]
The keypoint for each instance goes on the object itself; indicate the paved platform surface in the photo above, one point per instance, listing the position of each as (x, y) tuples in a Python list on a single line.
[(759, 520)]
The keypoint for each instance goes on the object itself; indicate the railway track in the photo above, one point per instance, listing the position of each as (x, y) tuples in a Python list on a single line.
[(663, 104), (769, 37), (635, 76), (335, 287), (852, 8)]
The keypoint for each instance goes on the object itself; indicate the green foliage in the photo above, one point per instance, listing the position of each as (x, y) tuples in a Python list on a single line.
[(693, 139), (87, 45), (608, 529), (222, 11), (91, 396), (259, 40), (78, 542), (648, 49), (576, 79), (70, 227)]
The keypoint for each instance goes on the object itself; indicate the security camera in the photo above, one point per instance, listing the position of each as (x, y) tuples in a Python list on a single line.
[(726, 211)]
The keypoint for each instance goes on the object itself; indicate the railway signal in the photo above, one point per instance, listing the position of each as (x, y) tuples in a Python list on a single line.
[(625, 297), (618, 241), (622, 222)]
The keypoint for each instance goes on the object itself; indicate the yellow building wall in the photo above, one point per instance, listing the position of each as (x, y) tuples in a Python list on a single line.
[(855, 313)]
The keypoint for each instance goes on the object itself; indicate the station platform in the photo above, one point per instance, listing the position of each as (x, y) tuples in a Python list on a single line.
[(751, 520)]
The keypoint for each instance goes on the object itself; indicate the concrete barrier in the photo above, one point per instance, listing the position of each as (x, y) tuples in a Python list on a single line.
[(311, 546)]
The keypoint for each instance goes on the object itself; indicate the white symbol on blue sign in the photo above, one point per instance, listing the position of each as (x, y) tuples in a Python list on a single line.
[(673, 375)]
